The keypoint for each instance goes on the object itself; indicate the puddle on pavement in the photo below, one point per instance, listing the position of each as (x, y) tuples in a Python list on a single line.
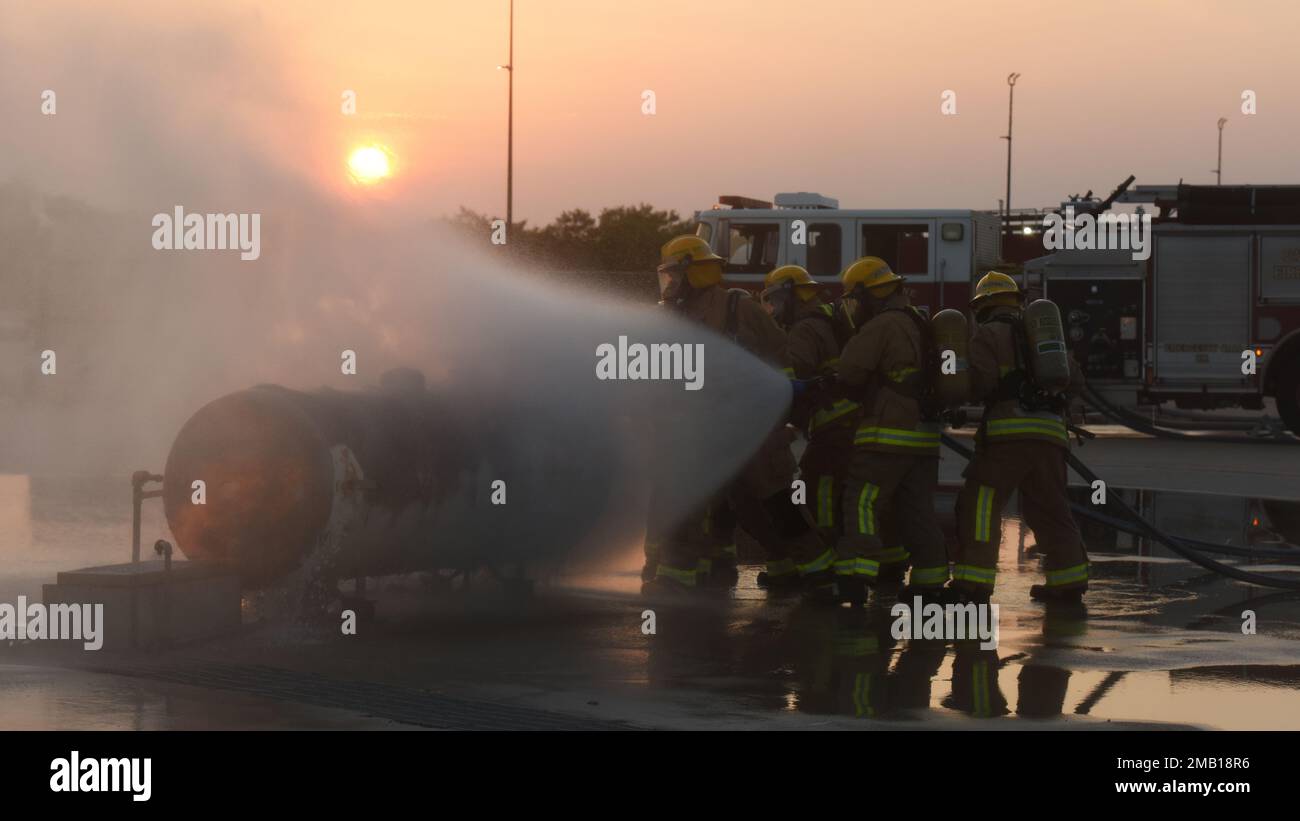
[(42, 698), (1162, 640)]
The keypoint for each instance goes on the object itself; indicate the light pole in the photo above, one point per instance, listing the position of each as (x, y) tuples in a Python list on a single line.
[(1011, 104), (1218, 172), (509, 67)]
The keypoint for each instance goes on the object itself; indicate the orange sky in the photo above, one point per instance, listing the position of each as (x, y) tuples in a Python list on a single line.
[(753, 97)]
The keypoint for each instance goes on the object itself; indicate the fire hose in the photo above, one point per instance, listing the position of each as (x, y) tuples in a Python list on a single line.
[(1142, 527), (1135, 421)]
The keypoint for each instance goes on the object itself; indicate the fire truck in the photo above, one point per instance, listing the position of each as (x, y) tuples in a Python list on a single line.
[(941, 252), (1222, 281), (1211, 320)]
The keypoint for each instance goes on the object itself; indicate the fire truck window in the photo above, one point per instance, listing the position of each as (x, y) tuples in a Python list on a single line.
[(753, 248), (824, 249), (905, 247)]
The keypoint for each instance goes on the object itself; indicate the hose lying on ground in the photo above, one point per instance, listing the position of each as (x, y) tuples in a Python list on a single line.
[(1134, 420), (1149, 530), (1285, 554)]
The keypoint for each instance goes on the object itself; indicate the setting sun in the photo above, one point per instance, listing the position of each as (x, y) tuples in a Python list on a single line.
[(369, 164)]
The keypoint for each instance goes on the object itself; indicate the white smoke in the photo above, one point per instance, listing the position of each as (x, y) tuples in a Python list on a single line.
[(201, 116)]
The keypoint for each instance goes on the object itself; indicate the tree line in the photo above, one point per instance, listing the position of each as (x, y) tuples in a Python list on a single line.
[(625, 238)]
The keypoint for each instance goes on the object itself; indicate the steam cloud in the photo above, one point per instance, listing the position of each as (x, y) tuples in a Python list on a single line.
[(163, 113)]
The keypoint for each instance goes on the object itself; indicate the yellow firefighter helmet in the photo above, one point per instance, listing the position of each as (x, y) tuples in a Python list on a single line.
[(797, 277), (993, 284), (702, 266), (870, 273)]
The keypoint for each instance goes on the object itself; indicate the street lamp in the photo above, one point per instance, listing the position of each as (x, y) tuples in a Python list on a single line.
[(1010, 108), (1218, 172), (510, 125), (1011, 103)]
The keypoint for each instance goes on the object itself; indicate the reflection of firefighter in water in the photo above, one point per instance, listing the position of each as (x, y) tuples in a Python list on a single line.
[(689, 642), (975, 687), (1042, 687), (842, 660), (700, 548)]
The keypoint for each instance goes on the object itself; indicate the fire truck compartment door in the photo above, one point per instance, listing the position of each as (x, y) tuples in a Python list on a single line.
[(1202, 307), (1279, 268)]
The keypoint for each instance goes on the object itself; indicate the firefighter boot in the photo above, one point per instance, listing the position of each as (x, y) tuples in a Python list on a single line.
[(930, 594), (956, 593), (850, 590), (780, 578), (890, 578)]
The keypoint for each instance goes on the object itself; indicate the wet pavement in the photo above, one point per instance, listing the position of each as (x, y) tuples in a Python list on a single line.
[(1161, 643)]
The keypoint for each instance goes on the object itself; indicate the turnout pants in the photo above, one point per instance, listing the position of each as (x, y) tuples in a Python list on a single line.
[(684, 550), (758, 501), (823, 468), (902, 486), (1037, 469)]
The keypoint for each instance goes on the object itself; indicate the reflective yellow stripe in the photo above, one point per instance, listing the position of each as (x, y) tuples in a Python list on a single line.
[(866, 509), (857, 567), (849, 645), (1068, 575), (1026, 426), (826, 501), (788, 372), (862, 696), (983, 513), (929, 576), (897, 437), (899, 374), (818, 564), (894, 555), (1021, 423), (971, 573), (840, 409)]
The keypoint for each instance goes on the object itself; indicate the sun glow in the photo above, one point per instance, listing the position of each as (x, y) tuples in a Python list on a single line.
[(369, 164)]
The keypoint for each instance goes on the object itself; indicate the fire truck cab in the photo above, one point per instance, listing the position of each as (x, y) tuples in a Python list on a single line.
[(941, 252)]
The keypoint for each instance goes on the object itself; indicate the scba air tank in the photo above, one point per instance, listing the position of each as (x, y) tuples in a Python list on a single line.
[(1045, 337), (951, 341)]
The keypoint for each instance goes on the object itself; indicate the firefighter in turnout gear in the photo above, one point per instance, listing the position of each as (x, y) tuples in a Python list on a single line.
[(894, 466), (1021, 445), (791, 296), (701, 548)]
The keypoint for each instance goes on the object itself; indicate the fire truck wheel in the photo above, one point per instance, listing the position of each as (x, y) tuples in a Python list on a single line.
[(1288, 399)]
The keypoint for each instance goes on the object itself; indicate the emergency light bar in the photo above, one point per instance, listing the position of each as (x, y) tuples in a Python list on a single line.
[(805, 199)]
